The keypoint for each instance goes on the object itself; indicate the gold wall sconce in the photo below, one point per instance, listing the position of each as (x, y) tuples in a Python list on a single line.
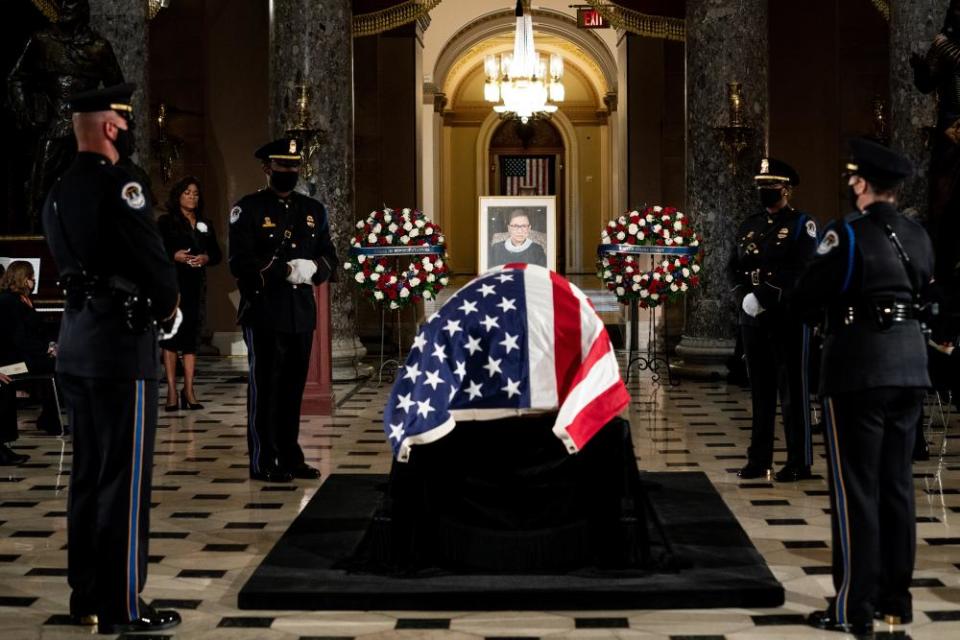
[(736, 136), (303, 129)]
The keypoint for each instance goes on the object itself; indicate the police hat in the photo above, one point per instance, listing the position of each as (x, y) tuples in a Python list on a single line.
[(115, 98), (878, 164), (284, 150), (773, 171)]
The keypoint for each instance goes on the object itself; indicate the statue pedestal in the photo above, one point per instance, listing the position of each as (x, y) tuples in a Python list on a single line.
[(318, 393), (704, 358)]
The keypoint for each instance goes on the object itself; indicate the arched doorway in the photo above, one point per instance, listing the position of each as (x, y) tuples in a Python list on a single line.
[(527, 160)]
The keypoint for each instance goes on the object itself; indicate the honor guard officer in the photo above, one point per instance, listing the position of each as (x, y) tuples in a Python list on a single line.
[(119, 285), (871, 271), (773, 246), (280, 248)]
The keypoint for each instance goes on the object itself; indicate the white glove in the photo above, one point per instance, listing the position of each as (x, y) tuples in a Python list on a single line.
[(301, 271), (751, 306), (177, 319)]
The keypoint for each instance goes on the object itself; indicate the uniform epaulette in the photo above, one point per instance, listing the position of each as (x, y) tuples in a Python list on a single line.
[(853, 216)]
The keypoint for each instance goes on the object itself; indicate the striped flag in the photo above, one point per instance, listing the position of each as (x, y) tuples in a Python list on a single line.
[(517, 339), (526, 175)]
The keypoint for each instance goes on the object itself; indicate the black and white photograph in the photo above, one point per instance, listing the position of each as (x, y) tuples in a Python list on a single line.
[(517, 229)]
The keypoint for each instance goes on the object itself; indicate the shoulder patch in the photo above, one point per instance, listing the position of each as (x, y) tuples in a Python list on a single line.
[(829, 242), (132, 194), (235, 214), (811, 228)]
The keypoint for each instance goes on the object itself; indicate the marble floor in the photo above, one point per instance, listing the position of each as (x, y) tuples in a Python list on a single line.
[(211, 525)]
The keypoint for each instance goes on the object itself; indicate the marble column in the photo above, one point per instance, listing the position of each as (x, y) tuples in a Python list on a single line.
[(726, 42), (913, 24), (126, 25), (311, 42)]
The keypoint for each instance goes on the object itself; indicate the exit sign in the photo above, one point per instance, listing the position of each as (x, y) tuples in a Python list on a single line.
[(590, 19)]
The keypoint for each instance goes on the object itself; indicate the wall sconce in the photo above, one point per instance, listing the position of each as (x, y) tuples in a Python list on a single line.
[(880, 132), (304, 130), (736, 136), (167, 149)]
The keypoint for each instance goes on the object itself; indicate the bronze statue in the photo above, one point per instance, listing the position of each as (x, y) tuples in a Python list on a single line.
[(66, 58)]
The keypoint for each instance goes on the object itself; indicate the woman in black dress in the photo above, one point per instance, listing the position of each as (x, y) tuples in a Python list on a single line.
[(192, 243)]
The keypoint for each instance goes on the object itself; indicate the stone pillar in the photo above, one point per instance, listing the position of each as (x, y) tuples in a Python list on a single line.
[(913, 24), (311, 42), (126, 25), (726, 42)]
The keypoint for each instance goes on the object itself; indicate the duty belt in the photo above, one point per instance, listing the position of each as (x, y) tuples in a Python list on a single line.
[(880, 314), (756, 276)]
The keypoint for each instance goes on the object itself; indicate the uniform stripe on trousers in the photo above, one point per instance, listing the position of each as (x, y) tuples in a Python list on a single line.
[(840, 499), (252, 409), (133, 524), (805, 400)]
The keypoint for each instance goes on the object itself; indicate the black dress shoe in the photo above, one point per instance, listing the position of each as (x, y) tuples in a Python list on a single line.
[(305, 472), (921, 450), (271, 474), (10, 458), (893, 619), (825, 620), (186, 404), (792, 474), (170, 408), (150, 620), (753, 471)]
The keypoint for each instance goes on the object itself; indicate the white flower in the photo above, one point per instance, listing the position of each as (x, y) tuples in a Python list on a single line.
[(428, 267), (654, 296), (386, 216), (361, 259), (636, 278), (420, 224), (374, 276), (668, 240), (407, 226), (404, 239), (641, 235), (665, 264), (677, 225), (644, 293), (388, 238), (658, 208), (377, 228), (431, 277), (694, 243), (392, 228), (359, 277), (632, 229), (607, 273), (696, 268), (683, 286), (360, 224), (619, 278), (685, 272), (414, 233), (649, 217), (679, 216), (674, 287), (612, 224), (392, 279), (405, 211), (620, 291), (348, 265), (427, 295), (379, 268), (621, 235), (378, 295), (657, 228), (628, 269), (668, 278), (444, 280), (404, 293), (394, 305), (372, 238), (439, 262), (427, 231), (656, 276), (678, 240), (642, 222), (414, 282)]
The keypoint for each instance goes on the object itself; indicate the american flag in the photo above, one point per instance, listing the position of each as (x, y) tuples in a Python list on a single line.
[(517, 339), (526, 173)]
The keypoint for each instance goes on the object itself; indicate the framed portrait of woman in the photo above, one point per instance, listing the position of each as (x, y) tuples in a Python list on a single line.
[(517, 229)]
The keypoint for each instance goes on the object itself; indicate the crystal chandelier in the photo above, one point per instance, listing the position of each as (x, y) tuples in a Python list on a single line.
[(523, 81)]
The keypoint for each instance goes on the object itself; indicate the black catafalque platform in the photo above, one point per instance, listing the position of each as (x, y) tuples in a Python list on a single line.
[(497, 515)]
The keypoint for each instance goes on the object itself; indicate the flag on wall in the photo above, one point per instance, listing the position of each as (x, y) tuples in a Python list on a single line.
[(526, 175)]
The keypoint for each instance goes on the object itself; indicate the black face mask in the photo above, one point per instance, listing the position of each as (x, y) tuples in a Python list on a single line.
[(284, 181), (769, 197), (852, 198)]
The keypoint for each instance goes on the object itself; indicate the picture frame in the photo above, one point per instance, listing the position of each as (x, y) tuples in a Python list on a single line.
[(535, 244)]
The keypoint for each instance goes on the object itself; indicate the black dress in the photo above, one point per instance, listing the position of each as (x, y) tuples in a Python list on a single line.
[(178, 234), (21, 340)]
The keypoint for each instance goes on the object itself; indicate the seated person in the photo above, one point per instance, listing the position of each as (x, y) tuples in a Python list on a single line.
[(518, 247), (498, 391), (22, 340)]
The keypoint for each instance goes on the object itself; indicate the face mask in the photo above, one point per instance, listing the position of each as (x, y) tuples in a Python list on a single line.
[(284, 181), (852, 198), (769, 197), (125, 143)]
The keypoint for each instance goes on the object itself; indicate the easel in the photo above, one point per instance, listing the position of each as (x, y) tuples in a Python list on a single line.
[(391, 365), (652, 359)]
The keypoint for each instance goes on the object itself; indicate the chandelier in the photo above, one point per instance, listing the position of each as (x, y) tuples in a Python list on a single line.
[(523, 81)]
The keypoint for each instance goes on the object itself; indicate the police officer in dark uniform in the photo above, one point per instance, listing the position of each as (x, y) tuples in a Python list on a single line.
[(772, 247), (872, 269), (280, 249), (119, 285)]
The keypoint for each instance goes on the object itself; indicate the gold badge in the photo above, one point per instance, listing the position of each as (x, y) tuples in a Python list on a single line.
[(293, 146), (765, 166), (783, 233), (750, 235), (310, 222), (752, 248), (267, 223)]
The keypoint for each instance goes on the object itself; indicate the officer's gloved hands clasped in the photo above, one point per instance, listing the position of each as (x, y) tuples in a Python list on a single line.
[(169, 328), (751, 306), (301, 271)]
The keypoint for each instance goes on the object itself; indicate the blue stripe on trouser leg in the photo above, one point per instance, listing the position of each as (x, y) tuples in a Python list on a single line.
[(252, 402), (840, 500), (133, 528)]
